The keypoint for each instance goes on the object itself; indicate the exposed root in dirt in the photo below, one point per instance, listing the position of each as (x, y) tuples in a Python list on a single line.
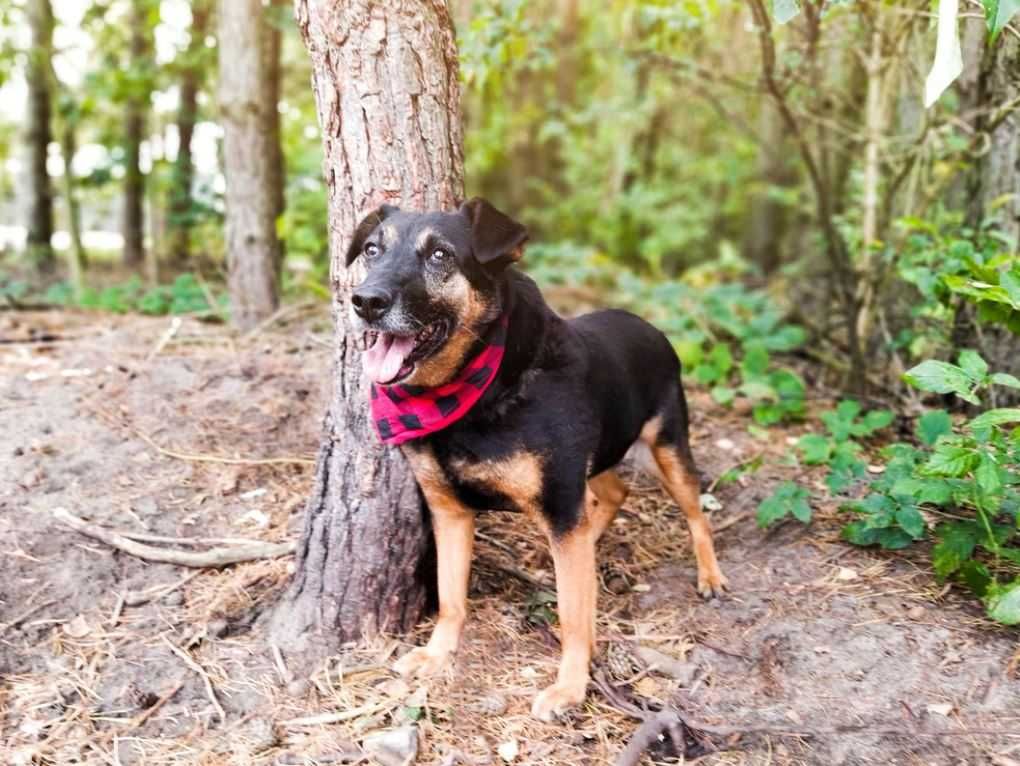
[(211, 559)]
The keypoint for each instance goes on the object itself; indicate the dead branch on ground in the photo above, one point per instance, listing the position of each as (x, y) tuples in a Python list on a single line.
[(213, 558)]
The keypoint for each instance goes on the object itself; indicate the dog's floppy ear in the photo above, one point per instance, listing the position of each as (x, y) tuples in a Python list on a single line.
[(366, 227), (496, 238)]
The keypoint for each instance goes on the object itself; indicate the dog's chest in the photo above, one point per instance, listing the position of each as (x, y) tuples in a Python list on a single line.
[(511, 482)]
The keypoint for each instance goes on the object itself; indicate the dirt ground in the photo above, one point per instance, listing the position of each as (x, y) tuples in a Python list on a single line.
[(823, 654)]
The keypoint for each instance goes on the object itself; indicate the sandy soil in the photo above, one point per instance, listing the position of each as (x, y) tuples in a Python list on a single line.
[(824, 654)]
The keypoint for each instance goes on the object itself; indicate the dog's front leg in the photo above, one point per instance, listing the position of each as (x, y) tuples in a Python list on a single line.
[(454, 528), (576, 591)]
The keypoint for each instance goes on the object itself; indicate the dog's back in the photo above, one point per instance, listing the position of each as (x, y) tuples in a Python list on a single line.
[(633, 376)]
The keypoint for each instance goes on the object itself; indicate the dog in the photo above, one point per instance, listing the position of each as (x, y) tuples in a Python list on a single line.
[(498, 403)]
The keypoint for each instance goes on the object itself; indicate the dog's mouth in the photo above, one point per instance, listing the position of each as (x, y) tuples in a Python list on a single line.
[(390, 357)]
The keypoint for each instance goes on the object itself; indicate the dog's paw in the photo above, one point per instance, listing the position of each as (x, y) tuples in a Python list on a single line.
[(712, 583), (557, 700), (422, 662)]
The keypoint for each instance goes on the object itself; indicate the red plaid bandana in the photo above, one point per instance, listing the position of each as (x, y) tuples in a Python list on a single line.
[(401, 413)]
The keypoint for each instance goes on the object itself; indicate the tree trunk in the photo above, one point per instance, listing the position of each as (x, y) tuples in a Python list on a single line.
[(246, 107), (133, 222), (180, 219), (385, 80), (994, 190), (767, 216), (274, 73), (76, 253), (38, 135)]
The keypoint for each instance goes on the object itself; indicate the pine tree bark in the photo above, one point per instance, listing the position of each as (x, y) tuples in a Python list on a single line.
[(135, 112), (39, 134), (385, 81), (247, 109), (180, 218)]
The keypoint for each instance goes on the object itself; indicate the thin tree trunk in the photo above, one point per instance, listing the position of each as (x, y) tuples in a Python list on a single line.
[(38, 136), (133, 221), (994, 191), (767, 216), (274, 73), (385, 80), (179, 223), (874, 127), (76, 253), (246, 106)]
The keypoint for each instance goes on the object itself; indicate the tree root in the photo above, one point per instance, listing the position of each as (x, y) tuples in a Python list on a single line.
[(213, 558)]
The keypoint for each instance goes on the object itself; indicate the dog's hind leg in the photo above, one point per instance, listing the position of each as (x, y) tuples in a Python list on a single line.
[(605, 494), (666, 438)]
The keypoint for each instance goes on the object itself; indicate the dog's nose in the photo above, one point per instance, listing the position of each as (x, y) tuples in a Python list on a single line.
[(371, 301)]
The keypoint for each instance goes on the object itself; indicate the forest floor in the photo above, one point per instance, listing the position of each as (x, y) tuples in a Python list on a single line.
[(823, 654)]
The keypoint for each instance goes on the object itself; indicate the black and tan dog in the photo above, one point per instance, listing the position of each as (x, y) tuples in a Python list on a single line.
[(568, 400)]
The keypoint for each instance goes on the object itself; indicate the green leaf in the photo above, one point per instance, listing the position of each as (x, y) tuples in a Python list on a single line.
[(756, 360), (859, 533), (816, 448), (1003, 603), (923, 490), (893, 539), (976, 576), (941, 378), (950, 460), (1005, 379), (723, 394), (911, 521), (987, 476), (875, 420), (931, 425), (784, 10), (786, 338), (956, 543), (995, 418), (789, 498), (998, 13), (1010, 280), (970, 362)]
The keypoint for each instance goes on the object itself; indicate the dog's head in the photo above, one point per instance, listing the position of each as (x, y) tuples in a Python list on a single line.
[(432, 285)]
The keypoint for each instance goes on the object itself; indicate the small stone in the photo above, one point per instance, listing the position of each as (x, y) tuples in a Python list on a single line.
[(176, 598), (916, 613), (943, 709), (298, 687), (508, 750), (662, 663), (617, 585), (217, 628), (393, 747)]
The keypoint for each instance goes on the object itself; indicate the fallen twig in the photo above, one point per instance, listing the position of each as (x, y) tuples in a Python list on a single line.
[(137, 598), (166, 337), (24, 616), (346, 715), (210, 692), (202, 458), (213, 558)]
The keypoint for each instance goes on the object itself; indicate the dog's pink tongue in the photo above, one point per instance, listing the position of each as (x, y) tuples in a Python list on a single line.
[(382, 362)]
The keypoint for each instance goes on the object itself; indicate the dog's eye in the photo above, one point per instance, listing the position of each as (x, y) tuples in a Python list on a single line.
[(439, 255), (371, 250)]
